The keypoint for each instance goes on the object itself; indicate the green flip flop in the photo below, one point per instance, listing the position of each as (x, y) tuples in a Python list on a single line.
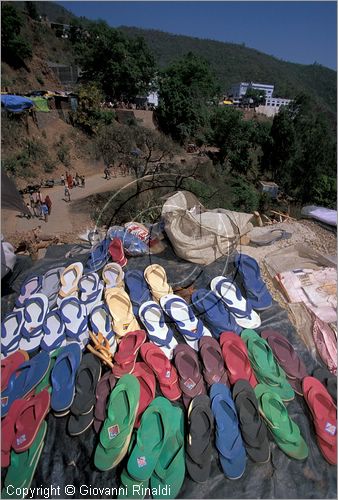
[(265, 366), (23, 465), (45, 382), (151, 437), (169, 472), (130, 487), (284, 430), (117, 429)]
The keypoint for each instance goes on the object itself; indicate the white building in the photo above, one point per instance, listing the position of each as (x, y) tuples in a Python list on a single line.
[(239, 90), (272, 104)]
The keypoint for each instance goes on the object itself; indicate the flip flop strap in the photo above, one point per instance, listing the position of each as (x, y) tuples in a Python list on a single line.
[(149, 326), (284, 417), (38, 300), (162, 342), (194, 335), (237, 312)]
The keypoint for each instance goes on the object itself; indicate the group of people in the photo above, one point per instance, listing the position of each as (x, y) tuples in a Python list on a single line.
[(39, 207), (70, 181)]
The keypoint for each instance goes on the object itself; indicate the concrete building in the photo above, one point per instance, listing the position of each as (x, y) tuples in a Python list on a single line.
[(239, 89), (272, 106)]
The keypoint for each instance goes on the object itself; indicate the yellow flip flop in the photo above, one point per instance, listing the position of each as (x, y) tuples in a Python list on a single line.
[(121, 310), (156, 277), (70, 279)]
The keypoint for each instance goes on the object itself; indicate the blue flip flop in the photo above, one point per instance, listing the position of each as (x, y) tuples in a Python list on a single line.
[(54, 331), (24, 379), (74, 316), (91, 289), (228, 439), (63, 377), (159, 333), (30, 286), (258, 295), (10, 332), (214, 313), (137, 288), (131, 243), (35, 310), (99, 256), (100, 321)]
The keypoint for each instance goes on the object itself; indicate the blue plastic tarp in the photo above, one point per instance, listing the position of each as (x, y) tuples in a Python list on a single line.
[(16, 103)]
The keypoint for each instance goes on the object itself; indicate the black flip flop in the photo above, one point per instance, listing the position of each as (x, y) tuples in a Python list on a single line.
[(328, 380), (77, 424), (199, 442), (253, 429), (87, 377)]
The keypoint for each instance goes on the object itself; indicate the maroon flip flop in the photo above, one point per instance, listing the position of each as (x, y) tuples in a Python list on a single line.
[(103, 389), (125, 358), (147, 380), (29, 420), (287, 357), (189, 374), (8, 431), (213, 363)]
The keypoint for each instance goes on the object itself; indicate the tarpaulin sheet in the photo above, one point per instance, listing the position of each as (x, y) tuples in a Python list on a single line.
[(10, 196), (68, 460), (16, 103), (41, 104)]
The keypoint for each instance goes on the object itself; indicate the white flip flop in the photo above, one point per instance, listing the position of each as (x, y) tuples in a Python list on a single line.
[(34, 313), (152, 317), (113, 275), (54, 331), (74, 316), (10, 332)]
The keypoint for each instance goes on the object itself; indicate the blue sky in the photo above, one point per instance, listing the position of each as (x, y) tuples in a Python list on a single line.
[(302, 32)]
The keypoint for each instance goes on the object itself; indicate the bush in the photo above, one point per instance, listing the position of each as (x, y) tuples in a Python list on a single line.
[(63, 151), (49, 166), (36, 150), (40, 80), (245, 198)]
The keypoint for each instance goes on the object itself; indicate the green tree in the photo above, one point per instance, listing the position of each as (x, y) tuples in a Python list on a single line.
[(87, 115), (124, 67), (257, 96), (187, 89), (283, 148), (13, 46)]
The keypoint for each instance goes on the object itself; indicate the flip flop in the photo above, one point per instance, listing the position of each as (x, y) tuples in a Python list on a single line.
[(78, 424), (265, 366), (170, 467), (190, 327), (70, 279), (31, 286), (130, 488), (213, 312), (327, 379), (74, 317), (121, 311), (34, 313), (87, 377), (257, 293), (99, 256), (28, 421), (165, 372), (270, 237), (125, 358), (101, 348), (116, 431), (212, 359), (90, 291), (188, 368), (103, 389), (138, 289), (235, 355), (50, 286), (198, 454), (253, 429), (63, 377), (231, 295), (10, 365), (23, 465), (11, 332), (113, 275), (151, 438), (287, 358), (326, 343), (285, 431), (45, 383), (117, 253), (8, 431), (24, 379), (147, 381), (156, 278), (152, 317), (100, 321), (324, 415), (228, 438), (54, 332)]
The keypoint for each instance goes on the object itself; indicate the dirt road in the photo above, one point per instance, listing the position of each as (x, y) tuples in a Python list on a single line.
[(62, 219)]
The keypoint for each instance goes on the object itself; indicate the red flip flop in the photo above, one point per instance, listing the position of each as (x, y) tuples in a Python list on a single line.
[(125, 358), (213, 363), (117, 253), (235, 355), (8, 431), (164, 371), (188, 369), (103, 389), (10, 364), (147, 381), (29, 420), (324, 414)]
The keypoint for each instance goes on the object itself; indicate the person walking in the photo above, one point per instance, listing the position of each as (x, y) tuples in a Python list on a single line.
[(105, 173), (63, 180), (48, 202), (44, 211), (83, 180), (67, 193)]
